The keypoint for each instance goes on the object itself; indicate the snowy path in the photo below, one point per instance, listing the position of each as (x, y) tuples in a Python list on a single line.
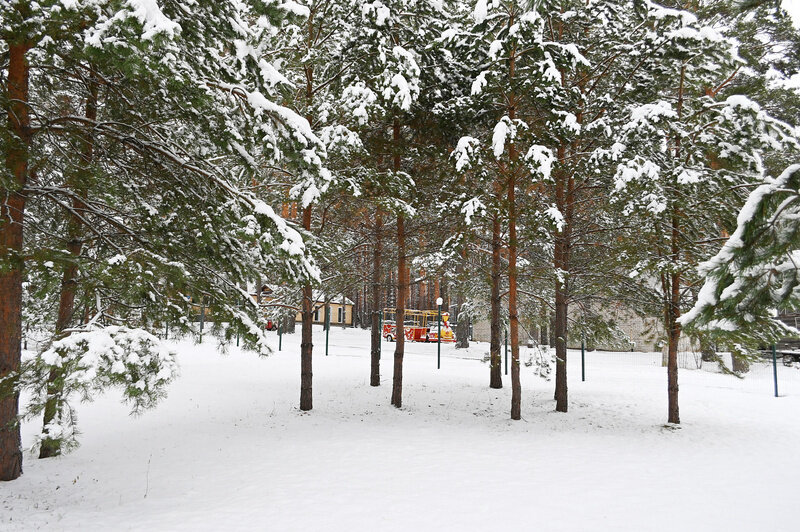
[(229, 450)]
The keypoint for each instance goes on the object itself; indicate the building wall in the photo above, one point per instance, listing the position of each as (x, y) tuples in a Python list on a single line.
[(481, 330), (319, 315), (638, 334)]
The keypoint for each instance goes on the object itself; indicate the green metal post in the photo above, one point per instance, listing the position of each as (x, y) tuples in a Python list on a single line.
[(775, 368), (583, 360), (327, 327), (166, 331), (280, 336), (439, 340), (506, 351)]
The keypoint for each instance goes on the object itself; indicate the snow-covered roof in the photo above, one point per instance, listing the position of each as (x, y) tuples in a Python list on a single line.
[(320, 296)]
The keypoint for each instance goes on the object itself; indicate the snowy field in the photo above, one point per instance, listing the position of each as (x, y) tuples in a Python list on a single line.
[(229, 450)]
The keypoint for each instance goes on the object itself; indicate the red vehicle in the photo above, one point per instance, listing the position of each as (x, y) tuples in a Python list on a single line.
[(420, 326)]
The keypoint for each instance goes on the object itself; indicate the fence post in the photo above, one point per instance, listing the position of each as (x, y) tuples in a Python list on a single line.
[(583, 360), (327, 326), (506, 331), (775, 368)]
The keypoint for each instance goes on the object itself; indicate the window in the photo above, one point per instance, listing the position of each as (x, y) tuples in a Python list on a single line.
[(316, 315), (341, 311)]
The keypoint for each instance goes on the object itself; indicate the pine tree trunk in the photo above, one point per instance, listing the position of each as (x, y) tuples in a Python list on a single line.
[(400, 315), (462, 323), (674, 327), (306, 331), (495, 332), (513, 318), (69, 282), (402, 286), (672, 372), (12, 210), (739, 365), (66, 309), (376, 334), (674, 309), (462, 329), (306, 338), (544, 317), (561, 348), (561, 264)]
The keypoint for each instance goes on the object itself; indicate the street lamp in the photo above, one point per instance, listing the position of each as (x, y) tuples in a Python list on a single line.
[(439, 302)]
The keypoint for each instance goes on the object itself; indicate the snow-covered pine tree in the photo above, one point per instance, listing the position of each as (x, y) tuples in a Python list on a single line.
[(321, 59), (573, 124), (521, 72), (391, 42), (747, 279), (186, 119), (755, 273), (685, 153)]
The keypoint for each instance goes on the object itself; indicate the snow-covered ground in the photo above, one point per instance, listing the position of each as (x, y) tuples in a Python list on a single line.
[(229, 450)]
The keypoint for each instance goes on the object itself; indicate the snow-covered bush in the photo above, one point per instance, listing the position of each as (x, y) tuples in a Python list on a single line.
[(542, 359), (89, 362)]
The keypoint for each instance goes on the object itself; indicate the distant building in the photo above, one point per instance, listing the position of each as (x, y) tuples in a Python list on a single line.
[(340, 307), (635, 333)]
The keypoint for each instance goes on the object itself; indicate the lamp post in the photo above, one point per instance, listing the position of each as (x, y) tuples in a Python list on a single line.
[(439, 302)]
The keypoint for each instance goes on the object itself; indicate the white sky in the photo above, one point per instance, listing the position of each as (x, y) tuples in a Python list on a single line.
[(793, 7)]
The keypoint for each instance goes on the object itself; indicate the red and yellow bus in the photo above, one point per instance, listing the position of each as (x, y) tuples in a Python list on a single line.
[(420, 326)]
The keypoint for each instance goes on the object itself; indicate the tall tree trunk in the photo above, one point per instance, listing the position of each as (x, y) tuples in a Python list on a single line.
[(561, 347), (306, 337), (12, 210), (402, 285), (674, 309), (376, 333), (513, 318), (400, 314), (78, 183), (306, 332), (462, 323), (544, 318), (495, 329), (561, 264), (674, 327)]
